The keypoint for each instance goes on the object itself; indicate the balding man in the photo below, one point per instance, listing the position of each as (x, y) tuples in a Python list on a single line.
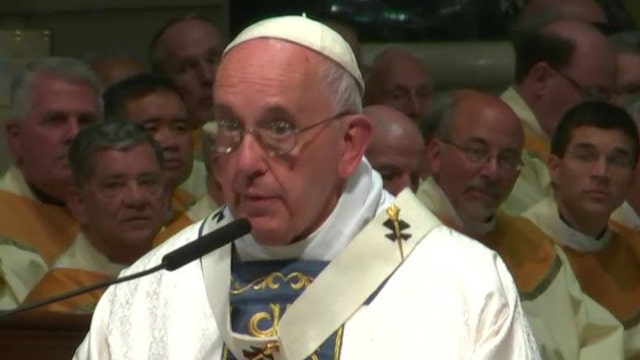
[(559, 63), (188, 50), (475, 159), (396, 149), (399, 79)]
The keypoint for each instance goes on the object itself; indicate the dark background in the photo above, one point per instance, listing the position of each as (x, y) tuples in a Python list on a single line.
[(410, 20)]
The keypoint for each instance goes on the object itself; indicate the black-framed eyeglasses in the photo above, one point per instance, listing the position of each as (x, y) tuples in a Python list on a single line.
[(586, 93), (506, 162), (277, 137)]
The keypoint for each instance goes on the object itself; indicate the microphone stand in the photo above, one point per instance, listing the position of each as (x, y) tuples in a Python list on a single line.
[(171, 261)]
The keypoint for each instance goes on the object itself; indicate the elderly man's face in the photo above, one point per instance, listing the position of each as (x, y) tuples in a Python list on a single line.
[(595, 173), (40, 141), (190, 51), (121, 205), (265, 83), (407, 88), (478, 166), (163, 114)]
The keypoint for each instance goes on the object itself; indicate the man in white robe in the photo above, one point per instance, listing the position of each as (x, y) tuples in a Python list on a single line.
[(593, 156), (359, 274), (475, 158)]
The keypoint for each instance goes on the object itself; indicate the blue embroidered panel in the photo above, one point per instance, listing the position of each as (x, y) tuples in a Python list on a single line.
[(261, 292)]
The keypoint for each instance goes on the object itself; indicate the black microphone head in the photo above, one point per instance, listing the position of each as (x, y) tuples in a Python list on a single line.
[(206, 244)]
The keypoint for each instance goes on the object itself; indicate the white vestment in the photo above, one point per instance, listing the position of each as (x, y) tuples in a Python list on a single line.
[(451, 298)]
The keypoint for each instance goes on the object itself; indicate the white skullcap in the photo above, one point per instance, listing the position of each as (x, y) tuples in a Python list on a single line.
[(308, 33)]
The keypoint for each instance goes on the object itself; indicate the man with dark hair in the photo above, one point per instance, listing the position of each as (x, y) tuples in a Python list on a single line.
[(118, 199), (187, 50), (332, 266), (475, 159), (594, 152), (154, 102), (50, 101), (560, 62)]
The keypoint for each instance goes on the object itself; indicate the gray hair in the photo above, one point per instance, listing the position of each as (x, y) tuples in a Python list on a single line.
[(341, 87), (111, 135), (69, 69)]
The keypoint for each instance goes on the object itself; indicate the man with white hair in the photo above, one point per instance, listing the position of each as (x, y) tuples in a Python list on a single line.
[(333, 265), (50, 102)]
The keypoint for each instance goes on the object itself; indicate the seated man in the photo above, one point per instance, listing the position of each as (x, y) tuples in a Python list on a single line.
[(396, 149), (290, 140), (50, 102), (187, 50), (119, 202), (155, 103), (475, 160), (593, 155), (559, 63), (399, 79)]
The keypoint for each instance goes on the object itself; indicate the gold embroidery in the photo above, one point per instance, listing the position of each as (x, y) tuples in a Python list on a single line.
[(393, 211), (254, 322), (296, 280), (267, 351)]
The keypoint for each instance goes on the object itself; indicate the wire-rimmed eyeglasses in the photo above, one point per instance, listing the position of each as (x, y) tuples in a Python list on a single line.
[(506, 162), (278, 137)]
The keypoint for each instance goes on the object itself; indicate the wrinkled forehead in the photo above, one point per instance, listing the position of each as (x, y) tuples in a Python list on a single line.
[(270, 72)]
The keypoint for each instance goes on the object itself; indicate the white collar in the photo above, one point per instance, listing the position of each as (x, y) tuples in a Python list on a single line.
[(439, 203), (83, 255), (627, 215), (576, 240), (361, 199)]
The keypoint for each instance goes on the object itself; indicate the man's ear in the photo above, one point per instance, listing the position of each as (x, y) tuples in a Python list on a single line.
[(12, 131), (356, 139), (553, 164), (434, 153), (539, 77), (75, 203)]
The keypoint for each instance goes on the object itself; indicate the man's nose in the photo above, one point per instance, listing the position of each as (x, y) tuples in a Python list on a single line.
[(250, 158)]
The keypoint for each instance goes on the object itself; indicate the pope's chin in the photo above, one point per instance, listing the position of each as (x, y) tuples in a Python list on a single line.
[(266, 231)]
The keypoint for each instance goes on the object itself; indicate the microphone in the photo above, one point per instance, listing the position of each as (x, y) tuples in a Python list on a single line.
[(170, 261)]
